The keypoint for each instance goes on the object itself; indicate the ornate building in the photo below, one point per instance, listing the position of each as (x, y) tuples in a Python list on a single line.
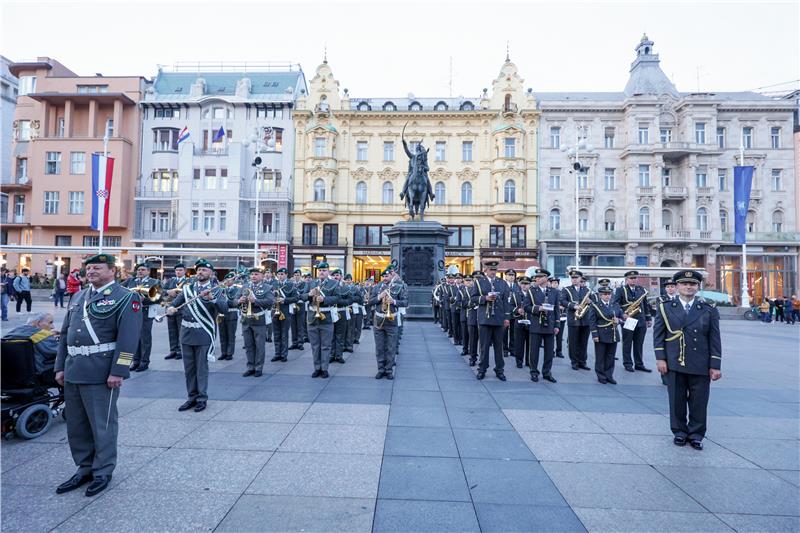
[(350, 168)]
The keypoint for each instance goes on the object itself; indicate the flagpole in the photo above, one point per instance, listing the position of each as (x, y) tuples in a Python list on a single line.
[(101, 204), (745, 288)]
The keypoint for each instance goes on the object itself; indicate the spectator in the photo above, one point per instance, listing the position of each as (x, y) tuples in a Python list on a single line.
[(795, 301), (22, 288), (39, 329), (764, 308), (59, 288), (4, 294), (779, 305), (73, 284), (36, 280)]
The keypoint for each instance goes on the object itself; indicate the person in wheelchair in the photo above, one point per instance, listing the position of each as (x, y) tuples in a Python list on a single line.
[(39, 330)]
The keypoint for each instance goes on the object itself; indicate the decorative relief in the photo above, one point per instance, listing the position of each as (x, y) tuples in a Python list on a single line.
[(467, 174), (388, 174), (440, 174), (362, 174)]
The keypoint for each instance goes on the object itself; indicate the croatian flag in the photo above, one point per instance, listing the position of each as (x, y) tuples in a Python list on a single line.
[(102, 169), (184, 135), (219, 135)]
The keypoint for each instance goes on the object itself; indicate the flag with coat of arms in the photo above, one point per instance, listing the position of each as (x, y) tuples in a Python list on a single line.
[(102, 171)]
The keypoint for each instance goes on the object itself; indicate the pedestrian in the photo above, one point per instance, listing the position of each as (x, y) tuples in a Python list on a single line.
[(779, 306), (764, 309), (688, 351), (22, 289), (59, 289), (98, 339), (787, 310), (5, 280), (795, 301), (73, 285)]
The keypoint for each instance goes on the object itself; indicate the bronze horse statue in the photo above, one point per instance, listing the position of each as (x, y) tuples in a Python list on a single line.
[(417, 190)]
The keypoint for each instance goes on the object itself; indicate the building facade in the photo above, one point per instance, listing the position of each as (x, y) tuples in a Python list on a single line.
[(8, 103), (350, 167), (61, 119), (197, 185), (657, 190)]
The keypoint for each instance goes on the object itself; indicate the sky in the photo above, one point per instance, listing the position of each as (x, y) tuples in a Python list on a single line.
[(429, 48)]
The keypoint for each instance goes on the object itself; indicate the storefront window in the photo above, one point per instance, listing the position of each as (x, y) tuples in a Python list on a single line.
[(768, 276)]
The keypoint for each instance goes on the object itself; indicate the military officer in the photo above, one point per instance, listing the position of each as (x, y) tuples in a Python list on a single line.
[(629, 296), (285, 295), (688, 350), (572, 298), (303, 306), (604, 318), (297, 316), (541, 308), (463, 305), (472, 320), (401, 308), (340, 327), (455, 308), (269, 280), (142, 280), (522, 328), (356, 299), (172, 287), (555, 284), (255, 303), (98, 339), (670, 293), (229, 319), (387, 297), (368, 284), (510, 277), (491, 295), (322, 298)]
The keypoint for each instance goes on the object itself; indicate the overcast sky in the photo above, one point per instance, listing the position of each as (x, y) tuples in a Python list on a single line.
[(383, 48)]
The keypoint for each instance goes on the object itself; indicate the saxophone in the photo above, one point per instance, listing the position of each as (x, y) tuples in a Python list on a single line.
[(583, 307), (636, 306)]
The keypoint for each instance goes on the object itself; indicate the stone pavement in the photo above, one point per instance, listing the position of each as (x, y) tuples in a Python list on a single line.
[(434, 450)]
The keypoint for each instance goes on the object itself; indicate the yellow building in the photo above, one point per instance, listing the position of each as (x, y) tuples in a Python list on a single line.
[(350, 167)]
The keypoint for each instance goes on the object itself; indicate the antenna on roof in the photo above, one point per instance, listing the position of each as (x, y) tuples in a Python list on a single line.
[(508, 54), (325, 54)]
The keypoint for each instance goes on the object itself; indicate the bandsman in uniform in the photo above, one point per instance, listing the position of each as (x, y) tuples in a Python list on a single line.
[(270, 281), (627, 296), (446, 294), (172, 287), (555, 284), (255, 304), (491, 295), (204, 300), (577, 328), (386, 297), (363, 295), (353, 324), (402, 306), (541, 307), (230, 319), (463, 299), (472, 320), (455, 308), (98, 339), (322, 299), (142, 280), (285, 295), (436, 302), (368, 284), (340, 326), (604, 318), (297, 318), (304, 305), (510, 277), (595, 295), (688, 350), (670, 294), (521, 329)]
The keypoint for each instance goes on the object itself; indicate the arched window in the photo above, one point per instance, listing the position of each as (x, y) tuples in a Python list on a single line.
[(364, 106), (777, 221), (723, 220), (389, 106), (583, 220), (666, 219), (388, 193), (510, 192), (467, 106), (610, 220), (555, 220), (361, 192), (466, 193), (319, 190), (644, 219), (751, 222), (440, 106), (415, 106), (439, 191), (702, 219)]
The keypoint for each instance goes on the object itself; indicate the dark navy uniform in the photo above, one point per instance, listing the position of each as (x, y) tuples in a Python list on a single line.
[(577, 329), (463, 307), (605, 334), (491, 321), (472, 326), (455, 310), (542, 328), (280, 328), (625, 296), (521, 343), (320, 329), (254, 328)]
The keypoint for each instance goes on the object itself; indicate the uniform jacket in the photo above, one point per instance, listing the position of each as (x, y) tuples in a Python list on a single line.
[(146, 281), (330, 288), (601, 323), (571, 297), (458, 299), (542, 321), (115, 315), (689, 343), (232, 295), (218, 304), (480, 288), (625, 296), (464, 303), (398, 292), (515, 300), (290, 293), (262, 305)]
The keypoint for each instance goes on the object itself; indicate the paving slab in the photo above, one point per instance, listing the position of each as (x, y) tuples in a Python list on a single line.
[(346, 414), (491, 444), (413, 398), (578, 448), (510, 482), (628, 520), (766, 453), (327, 438), (423, 478), (420, 442), (751, 523), (568, 422), (474, 418), (658, 450), (792, 476), (344, 395), (418, 416), (18, 452), (537, 402), (631, 424), (504, 518), (402, 516), (28, 508), (163, 408), (156, 432), (246, 411), (457, 399), (223, 435)]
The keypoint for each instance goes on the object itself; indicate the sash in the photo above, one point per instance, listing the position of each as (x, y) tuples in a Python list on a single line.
[(203, 317)]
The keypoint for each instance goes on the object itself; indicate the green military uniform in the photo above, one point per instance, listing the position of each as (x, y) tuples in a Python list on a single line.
[(254, 328), (386, 328), (174, 321), (280, 328), (320, 328), (340, 326), (353, 323), (229, 321), (297, 317), (141, 359)]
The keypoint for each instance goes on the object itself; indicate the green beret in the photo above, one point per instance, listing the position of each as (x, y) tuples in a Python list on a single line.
[(203, 263), (284, 270), (138, 266), (322, 265), (179, 265), (336, 271), (297, 271), (307, 275), (229, 275), (386, 272), (255, 269), (100, 258), (348, 276)]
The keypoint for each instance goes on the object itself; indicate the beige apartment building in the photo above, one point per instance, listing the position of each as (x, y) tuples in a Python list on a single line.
[(60, 121), (350, 168)]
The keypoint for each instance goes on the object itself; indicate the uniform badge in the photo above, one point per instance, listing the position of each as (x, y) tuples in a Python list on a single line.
[(106, 302), (107, 292), (125, 358), (687, 274), (136, 306)]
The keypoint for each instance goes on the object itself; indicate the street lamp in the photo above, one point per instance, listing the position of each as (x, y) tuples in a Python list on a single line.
[(258, 164), (58, 263), (573, 153)]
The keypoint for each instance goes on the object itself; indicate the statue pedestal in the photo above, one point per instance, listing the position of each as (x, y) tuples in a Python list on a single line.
[(418, 251)]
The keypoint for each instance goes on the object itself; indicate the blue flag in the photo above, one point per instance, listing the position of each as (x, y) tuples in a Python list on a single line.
[(742, 181), (219, 135)]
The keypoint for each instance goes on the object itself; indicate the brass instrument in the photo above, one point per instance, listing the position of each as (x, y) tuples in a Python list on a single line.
[(167, 299), (636, 306), (583, 307), (212, 290), (153, 293), (314, 292), (247, 311), (276, 307)]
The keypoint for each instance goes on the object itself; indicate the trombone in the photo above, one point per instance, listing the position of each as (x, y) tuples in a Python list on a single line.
[(276, 307), (153, 293), (211, 292)]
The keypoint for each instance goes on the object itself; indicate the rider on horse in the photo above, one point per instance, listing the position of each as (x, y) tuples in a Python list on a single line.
[(417, 164)]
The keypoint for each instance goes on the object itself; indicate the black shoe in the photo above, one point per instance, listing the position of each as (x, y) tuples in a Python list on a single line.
[(481, 375), (356, 342), (258, 374), (628, 369), (248, 373), (324, 374), (574, 367), (295, 347), (679, 441), (560, 355), (550, 378), (643, 368), (501, 376), (331, 360), (519, 364), (73, 483), (612, 381), (133, 367), (97, 485), (284, 360), (379, 375), (340, 360), (389, 375), (348, 350), (464, 354), (188, 404), (201, 406), (142, 368), (276, 358), (269, 339), (173, 355), (534, 377), (696, 444), (584, 367), (179, 356), (317, 373), (602, 380), (472, 362)]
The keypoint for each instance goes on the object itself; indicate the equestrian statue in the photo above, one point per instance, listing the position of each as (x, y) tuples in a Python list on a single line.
[(417, 191)]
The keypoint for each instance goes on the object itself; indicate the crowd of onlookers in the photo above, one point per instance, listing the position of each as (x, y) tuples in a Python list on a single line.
[(781, 309), (16, 287)]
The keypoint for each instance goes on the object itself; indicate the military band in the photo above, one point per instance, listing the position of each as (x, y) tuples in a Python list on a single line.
[(632, 298), (541, 309), (229, 320), (297, 318), (555, 284), (604, 319), (255, 306), (284, 297), (321, 313), (172, 287), (387, 297), (576, 300), (143, 283), (491, 296)]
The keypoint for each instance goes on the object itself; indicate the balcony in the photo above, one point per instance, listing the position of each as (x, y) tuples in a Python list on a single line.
[(705, 235), (509, 108), (263, 236), (674, 193), (319, 243), (677, 234), (755, 194), (20, 183), (586, 194), (705, 191), (248, 192), (17, 220), (508, 213), (648, 190), (320, 211), (514, 244), (569, 235), (670, 150), (149, 191), (150, 235), (210, 151), (783, 237)]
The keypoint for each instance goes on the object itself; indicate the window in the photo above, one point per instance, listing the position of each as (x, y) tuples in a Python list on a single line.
[(23, 130), (775, 137), (361, 150), (389, 106), (641, 260), (555, 220), (702, 219), (583, 220), (644, 175), (388, 151), (84, 89), (63, 240), (76, 202), (27, 85), (439, 192), (109, 131), (52, 163), (610, 180), (223, 219), (319, 190), (461, 236), (223, 179), (555, 137), (777, 184), (610, 220), (466, 151), (751, 221), (777, 221), (700, 132), (721, 137), (415, 106), (165, 140), (497, 236), (108, 240), (466, 193), (723, 179), (388, 193), (666, 178), (330, 234), (510, 147), (159, 221), (77, 163), (211, 178), (196, 179), (701, 177), (666, 219), (167, 113), (747, 137), (644, 134), (440, 106), (195, 219), (518, 236), (310, 234), (273, 138), (608, 138), (218, 112), (555, 179), (51, 202), (22, 167), (60, 127), (723, 220), (441, 148), (644, 219), (319, 146), (665, 135), (583, 179), (361, 192), (510, 192), (467, 106), (208, 221)]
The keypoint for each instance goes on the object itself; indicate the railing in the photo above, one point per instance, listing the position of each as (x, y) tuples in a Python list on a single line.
[(263, 236), (679, 234), (787, 236), (705, 191), (648, 189), (587, 235), (755, 194), (509, 243), (154, 235), (645, 234), (675, 192), (283, 192), (210, 151), (18, 219), (510, 108), (148, 191), (341, 243), (24, 181), (586, 193), (705, 234)]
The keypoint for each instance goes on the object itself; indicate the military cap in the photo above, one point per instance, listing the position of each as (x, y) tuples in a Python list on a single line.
[(336, 271), (476, 273), (523, 279), (554, 278), (229, 275), (297, 271), (202, 263), (137, 266), (458, 276), (284, 270), (632, 274), (604, 290), (348, 276), (179, 265), (539, 272), (322, 265), (491, 263), (255, 269), (386, 272), (575, 274), (670, 282), (688, 276), (603, 281), (307, 275), (468, 277), (96, 259), (511, 271)]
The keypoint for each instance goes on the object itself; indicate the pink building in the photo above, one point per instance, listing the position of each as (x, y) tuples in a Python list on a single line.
[(60, 121)]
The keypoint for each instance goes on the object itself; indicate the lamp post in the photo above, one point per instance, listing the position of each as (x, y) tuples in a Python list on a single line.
[(258, 165), (58, 263), (573, 153)]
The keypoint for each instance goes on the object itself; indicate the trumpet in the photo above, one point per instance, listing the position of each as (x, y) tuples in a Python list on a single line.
[(210, 291), (386, 297), (314, 292), (276, 308), (153, 293), (247, 311), (583, 307)]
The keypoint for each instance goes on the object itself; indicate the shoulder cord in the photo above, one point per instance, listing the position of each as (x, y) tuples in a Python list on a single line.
[(676, 335)]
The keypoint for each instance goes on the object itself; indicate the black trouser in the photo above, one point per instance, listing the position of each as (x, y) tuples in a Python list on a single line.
[(280, 330), (522, 345), (269, 332), (456, 321), (142, 356), (24, 295), (604, 353), (635, 337), (509, 337), (297, 322), (227, 333), (539, 339), (560, 338), (473, 342), (692, 391), (577, 337), (491, 336), (435, 314), (174, 332), (464, 337)]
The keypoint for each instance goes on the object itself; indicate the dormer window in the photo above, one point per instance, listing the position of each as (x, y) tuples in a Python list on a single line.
[(415, 106), (364, 106), (440, 106), (389, 106), (467, 106)]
